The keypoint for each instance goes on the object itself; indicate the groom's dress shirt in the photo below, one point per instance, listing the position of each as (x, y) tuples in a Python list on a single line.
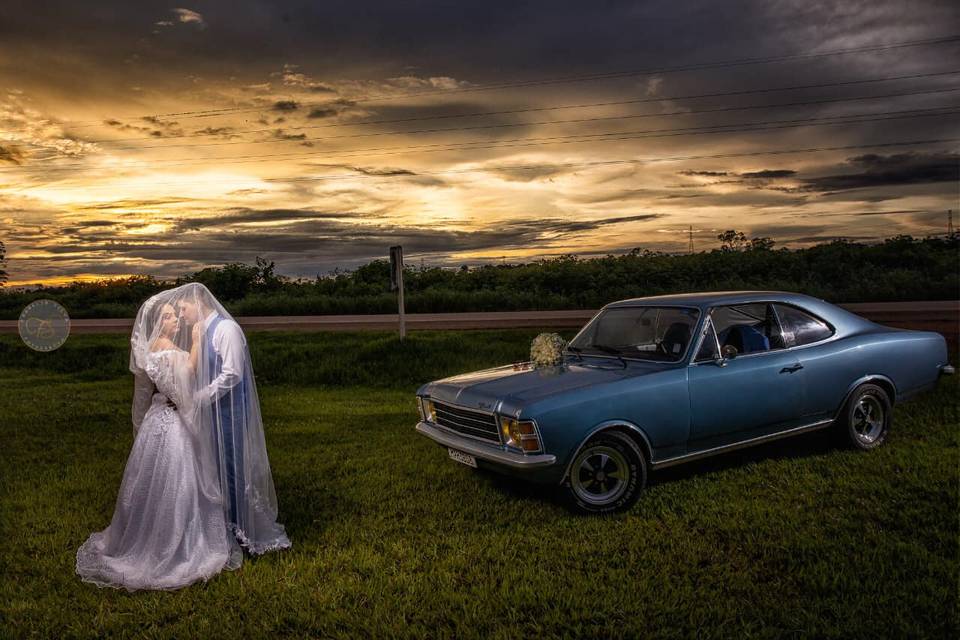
[(228, 342)]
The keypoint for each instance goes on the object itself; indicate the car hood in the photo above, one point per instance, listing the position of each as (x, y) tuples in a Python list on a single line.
[(483, 389)]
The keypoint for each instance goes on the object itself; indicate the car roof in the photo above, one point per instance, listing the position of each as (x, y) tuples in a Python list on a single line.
[(713, 298), (840, 318)]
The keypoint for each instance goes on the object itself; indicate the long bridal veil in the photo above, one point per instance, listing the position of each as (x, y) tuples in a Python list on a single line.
[(224, 404)]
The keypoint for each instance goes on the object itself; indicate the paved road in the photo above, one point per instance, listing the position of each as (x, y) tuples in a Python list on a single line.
[(942, 316)]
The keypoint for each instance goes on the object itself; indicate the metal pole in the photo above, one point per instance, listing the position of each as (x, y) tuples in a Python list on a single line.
[(403, 322), (396, 283)]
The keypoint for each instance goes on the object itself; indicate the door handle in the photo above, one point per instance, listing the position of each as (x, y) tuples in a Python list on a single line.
[(792, 368)]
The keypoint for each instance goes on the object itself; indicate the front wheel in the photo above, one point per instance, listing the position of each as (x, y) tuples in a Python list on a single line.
[(607, 475), (867, 417)]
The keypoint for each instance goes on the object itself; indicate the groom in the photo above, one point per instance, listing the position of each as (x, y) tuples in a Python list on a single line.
[(226, 389)]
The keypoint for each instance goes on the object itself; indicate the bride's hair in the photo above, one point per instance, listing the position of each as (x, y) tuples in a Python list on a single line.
[(153, 320)]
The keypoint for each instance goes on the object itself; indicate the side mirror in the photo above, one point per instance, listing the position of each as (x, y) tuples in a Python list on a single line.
[(729, 352)]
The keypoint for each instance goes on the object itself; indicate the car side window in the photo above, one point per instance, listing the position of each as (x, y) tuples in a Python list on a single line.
[(749, 328), (800, 327), (708, 348)]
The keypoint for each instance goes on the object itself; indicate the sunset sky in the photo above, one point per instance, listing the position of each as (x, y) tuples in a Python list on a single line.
[(156, 138)]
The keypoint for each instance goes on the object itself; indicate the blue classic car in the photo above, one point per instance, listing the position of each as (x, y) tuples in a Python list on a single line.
[(659, 381)]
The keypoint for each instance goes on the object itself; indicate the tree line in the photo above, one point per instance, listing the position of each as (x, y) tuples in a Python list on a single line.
[(901, 268)]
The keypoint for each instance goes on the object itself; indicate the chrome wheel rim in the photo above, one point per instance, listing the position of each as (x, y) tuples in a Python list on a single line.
[(868, 419), (600, 475)]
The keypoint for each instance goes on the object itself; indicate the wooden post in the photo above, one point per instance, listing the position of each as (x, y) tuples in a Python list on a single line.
[(396, 284)]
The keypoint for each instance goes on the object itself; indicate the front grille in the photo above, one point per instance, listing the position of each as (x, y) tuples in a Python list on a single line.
[(472, 423)]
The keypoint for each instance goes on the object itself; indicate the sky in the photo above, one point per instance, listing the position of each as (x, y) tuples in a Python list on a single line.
[(156, 138)]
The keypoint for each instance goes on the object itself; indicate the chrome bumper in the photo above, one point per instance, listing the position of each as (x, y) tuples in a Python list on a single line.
[(488, 452)]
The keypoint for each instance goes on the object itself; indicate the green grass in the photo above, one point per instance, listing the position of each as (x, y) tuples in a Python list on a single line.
[(798, 538)]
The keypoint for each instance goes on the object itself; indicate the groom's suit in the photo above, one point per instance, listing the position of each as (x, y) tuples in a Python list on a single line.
[(228, 391)]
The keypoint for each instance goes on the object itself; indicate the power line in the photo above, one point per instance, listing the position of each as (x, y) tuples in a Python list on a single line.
[(573, 138), (521, 142), (595, 163), (538, 123), (568, 121), (561, 80), (202, 134)]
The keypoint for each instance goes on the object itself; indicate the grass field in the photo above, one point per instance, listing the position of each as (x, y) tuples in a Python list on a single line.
[(391, 539)]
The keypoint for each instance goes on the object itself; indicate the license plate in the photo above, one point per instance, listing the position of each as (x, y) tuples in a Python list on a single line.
[(462, 458)]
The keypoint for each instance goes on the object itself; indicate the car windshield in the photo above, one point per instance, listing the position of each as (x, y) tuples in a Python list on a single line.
[(647, 333)]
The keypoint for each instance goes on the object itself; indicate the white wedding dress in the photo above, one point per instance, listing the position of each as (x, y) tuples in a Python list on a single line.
[(168, 530)]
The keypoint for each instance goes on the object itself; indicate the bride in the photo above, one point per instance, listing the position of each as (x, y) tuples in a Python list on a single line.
[(169, 527)]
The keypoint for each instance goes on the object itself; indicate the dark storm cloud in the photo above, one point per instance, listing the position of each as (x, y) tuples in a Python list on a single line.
[(11, 154), (858, 213), (817, 239), (322, 112), (890, 170), (386, 172), (331, 108), (382, 172), (337, 237), (238, 216), (97, 223), (769, 173), (763, 174), (280, 134), (473, 41), (160, 128), (134, 204), (529, 173), (619, 195), (567, 226)]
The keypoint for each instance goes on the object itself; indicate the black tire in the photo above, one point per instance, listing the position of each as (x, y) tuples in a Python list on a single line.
[(588, 488), (866, 417)]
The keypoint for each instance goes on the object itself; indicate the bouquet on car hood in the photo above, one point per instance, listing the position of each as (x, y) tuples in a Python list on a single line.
[(546, 350)]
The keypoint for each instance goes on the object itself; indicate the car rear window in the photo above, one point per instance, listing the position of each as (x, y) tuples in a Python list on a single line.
[(800, 327)]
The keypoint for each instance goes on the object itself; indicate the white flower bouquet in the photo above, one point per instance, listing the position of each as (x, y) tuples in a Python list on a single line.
[(546, 350)]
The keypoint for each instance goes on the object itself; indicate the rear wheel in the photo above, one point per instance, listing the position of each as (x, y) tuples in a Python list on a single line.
[(607, 475), (867, 417)]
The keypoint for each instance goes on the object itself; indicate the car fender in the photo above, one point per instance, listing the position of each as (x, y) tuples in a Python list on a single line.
[(605, 426), (859, 381)]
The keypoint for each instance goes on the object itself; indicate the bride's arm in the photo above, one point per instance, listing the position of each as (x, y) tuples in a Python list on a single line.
[(142, 393)]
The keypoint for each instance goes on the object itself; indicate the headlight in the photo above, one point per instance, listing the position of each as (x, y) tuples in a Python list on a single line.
[(428, 413), (521, 434)]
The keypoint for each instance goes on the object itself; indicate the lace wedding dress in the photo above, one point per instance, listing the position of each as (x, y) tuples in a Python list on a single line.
[(168, 528)]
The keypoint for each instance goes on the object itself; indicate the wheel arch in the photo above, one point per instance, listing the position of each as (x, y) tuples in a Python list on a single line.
[(878, 379), (632, 431)]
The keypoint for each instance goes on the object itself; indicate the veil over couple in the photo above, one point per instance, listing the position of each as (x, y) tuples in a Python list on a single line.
[(197, 488)]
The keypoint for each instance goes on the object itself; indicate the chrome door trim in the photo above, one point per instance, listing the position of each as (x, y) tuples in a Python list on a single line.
[(696, 455)]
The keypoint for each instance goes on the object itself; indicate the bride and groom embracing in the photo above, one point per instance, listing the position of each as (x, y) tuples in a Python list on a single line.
[(197, 487)]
